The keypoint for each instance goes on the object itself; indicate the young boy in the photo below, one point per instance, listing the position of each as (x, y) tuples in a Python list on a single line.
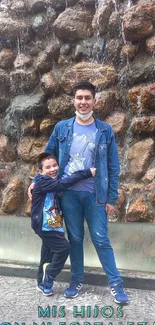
[(46, 219)]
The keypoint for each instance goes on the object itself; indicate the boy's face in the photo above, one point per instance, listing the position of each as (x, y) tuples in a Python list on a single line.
[(84, 101), (49, 167)]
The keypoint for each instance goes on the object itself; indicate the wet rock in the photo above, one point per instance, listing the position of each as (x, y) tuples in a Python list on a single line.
[(140, 69), (143, 124), (61, 4), (12, 196), (29, 105), (65, 49), (14, 28), (117, 121), (114, 24), (113, 50), (79, 27), (4, 103), (30, 127), (61, 107), (6, 58), (4, 80), (35, 6), (19, 8), (137, 21), (105, 103), (42, 24), (7, 150), (99, 74), (49, 83), (46, 58), (22, 61), (139, 157), (23, 80), (138, 211), (29, 148), (6, 172), (101, 18)]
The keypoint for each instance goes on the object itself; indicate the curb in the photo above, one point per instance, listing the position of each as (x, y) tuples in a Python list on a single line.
[(93, 276)]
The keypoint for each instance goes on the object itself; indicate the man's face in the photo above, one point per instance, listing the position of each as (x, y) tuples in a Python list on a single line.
[(49, 168), (84, 101)]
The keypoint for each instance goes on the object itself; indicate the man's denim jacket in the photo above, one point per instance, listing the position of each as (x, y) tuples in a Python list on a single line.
[(106, 157)]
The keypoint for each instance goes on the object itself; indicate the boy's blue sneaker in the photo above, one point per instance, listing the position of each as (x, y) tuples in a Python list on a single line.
[(119, 294), (73, 290), (48, 282), (40, 287)]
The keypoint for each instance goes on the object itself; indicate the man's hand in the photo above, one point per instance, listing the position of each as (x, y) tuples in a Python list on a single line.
[(93, 171), (30, 189), (110, 209)]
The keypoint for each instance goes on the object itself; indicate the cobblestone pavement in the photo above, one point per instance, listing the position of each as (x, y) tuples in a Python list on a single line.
[(21, 304)]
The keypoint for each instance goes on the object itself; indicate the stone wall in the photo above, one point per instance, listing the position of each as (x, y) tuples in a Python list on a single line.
[(48, 45)]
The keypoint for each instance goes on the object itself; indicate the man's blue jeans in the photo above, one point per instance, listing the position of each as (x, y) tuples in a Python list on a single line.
[(76, 207)]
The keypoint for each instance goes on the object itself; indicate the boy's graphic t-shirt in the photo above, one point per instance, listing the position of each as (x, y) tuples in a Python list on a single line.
[(52, 218), (82, 154)]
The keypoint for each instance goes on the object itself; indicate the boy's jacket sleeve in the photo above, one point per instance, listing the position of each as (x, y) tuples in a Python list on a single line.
[(48, 184)]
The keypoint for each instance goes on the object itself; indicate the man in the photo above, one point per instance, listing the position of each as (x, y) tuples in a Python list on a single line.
[(78, 143)]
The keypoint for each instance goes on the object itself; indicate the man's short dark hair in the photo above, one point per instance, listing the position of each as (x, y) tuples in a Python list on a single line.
[(84, 85), (43, 156)]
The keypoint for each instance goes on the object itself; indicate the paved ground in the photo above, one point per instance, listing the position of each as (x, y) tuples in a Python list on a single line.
[(20, 303)]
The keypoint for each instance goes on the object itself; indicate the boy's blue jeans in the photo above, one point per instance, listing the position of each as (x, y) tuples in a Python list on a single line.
[(76, 207)]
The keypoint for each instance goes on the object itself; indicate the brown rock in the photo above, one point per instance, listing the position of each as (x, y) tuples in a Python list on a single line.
[(137, 22), (121, 199), (143, 124), (99, 74), (6, 59), (12, 196), (117, 121), (105, 103), (49, 83), (142, 99), (79, 27), (61, 107), (149, 176), (139, 156), (150, 45), (46, 126), (130, 50), (148, 97), (138, 211), (29, 148)]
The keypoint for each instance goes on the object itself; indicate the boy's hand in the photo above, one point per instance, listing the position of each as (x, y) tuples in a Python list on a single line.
[(93, 171), (30, 189)]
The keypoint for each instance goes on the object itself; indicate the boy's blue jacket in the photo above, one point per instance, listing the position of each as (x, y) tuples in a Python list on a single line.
[(106, 157), (46, 184)]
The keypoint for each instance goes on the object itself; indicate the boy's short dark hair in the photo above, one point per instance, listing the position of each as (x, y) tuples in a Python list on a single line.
[(84, 85), (43, 156)]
